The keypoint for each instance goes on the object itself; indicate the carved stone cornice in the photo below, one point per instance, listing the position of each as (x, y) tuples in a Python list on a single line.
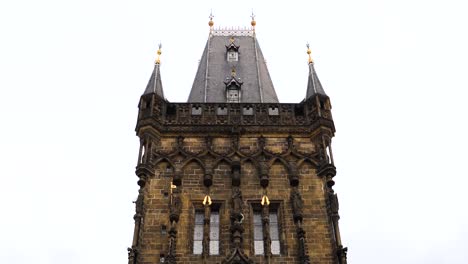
[(326, 170), (246, 117), (144, 170)]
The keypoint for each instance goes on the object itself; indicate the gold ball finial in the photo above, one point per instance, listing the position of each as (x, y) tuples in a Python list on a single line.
[(211, 23), (308, 53), (253, 22), (159, 52)]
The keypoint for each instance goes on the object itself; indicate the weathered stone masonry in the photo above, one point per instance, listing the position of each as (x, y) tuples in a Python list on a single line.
[(189, 150), (233, 176)]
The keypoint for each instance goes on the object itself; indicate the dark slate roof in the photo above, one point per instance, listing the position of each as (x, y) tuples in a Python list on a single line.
[(154, 84), (313, 85), (251, 68)]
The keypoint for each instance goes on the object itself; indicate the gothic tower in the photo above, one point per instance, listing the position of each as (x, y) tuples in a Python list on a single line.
[(234, 176)]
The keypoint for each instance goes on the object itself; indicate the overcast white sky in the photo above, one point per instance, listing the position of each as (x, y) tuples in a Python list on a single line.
[(71, 73)]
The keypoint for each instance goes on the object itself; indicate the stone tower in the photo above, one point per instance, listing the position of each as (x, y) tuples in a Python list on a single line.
[(234, 176)]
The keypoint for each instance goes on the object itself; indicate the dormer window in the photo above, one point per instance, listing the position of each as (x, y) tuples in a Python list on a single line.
[(233, 87), (232, 51), (232, 55), (233, 96)]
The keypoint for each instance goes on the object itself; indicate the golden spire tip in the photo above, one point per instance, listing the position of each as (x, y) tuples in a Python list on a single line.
[(253, 22), (158, 61), (211, 23), (309, 52)]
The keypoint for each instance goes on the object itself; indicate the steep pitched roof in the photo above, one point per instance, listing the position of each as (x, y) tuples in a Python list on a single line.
[(155, 84), (214, 67), (313, 85)]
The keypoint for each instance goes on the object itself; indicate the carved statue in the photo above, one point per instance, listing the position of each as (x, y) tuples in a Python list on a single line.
[(209, 142), (131, 255), (334, 205), (237, 203), (290, 140), (261, 142), (139, 203), (297, 204), (321, 152), (176, 206), (235, 142), (180, 142)]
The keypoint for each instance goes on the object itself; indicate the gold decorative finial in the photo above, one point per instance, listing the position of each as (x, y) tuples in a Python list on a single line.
[(231, 39), (207, 200), (173, 186), (158, 61), (233, 72), (211, 23), (265, 200), (309, 52), (253, 22)]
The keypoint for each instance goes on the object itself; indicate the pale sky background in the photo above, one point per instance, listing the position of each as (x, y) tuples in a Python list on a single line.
[(72, 72)]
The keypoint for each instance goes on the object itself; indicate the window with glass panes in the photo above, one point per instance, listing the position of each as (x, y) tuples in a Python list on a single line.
[(214, 232), (198, 232), (274, 232), (258, 233), (274, 228)]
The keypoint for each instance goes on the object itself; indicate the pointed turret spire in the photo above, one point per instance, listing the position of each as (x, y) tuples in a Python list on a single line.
[(313, 85), (155, 84)]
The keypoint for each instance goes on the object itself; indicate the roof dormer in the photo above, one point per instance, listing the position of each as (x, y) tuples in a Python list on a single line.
[(233, 88), (232, 51)]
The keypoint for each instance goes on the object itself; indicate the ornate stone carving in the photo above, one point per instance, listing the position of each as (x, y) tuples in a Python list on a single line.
[(272, 115), (266, 230), (342, 253), (293, 174), (264, 178), (290, 141), (235, 173), (171, 259), (131, 255), (334, 205), (235, 142), (303, 256), (297, 205), (237, 256), (139, 205), (176, 206), (180, 142), (261, 143), (208, 179), (237, 205), (209, 142)]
